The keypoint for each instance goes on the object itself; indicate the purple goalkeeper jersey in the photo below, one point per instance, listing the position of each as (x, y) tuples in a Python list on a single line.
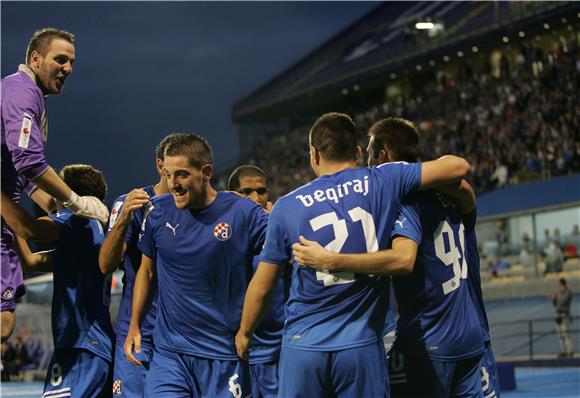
[(24, 134)]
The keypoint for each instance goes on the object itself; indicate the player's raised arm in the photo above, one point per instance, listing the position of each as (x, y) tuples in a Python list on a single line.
[(23, 225), (443, 171), (256, 303), (399, 260), (462, 194), (114, 246), (142, 298)]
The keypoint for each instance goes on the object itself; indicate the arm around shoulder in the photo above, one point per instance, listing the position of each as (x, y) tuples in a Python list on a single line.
[(446, 169)]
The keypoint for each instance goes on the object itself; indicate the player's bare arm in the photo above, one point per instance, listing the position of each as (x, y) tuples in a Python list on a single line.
[(44, 200), (142, 298), (32, 262), (113, 247), (443, 171), (399, 260), (25, 226), (462, 194), (256, 303)]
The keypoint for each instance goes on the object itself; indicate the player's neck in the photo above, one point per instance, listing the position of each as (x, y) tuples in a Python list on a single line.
[(161, 188), (208, 196), (329, 168)]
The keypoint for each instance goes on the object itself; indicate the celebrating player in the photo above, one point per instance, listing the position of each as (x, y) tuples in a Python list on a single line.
[(332, 343), (120, 247), (251, 182), (199, 245), (49, 59), (442, 323), (81, 324)]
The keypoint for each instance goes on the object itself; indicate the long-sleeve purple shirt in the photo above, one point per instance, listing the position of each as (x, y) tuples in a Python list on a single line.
[(24, 134)]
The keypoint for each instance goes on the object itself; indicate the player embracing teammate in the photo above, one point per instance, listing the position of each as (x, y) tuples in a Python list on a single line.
[(335, 320)]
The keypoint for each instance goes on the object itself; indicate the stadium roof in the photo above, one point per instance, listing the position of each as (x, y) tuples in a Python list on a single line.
[(386, 40)]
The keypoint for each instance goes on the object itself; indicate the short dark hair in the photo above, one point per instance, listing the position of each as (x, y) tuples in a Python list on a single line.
[(42, 38), (246, 170), (85, 180), (160, 148), (400, 136), (196, 148), (334, 135)]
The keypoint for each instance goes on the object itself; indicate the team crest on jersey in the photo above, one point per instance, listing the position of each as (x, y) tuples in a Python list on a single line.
[(8, 293), (222, 231), (117, 387)]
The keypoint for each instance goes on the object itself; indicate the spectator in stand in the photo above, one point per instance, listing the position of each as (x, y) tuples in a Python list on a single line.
[(527, 116), (554, 257), (562, 300)]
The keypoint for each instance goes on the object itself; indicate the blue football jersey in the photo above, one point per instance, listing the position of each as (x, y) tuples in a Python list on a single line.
[(82, 294), (351, 211), (436, 312), (204, 265), (131, 263), (473, 276), (267, 338)]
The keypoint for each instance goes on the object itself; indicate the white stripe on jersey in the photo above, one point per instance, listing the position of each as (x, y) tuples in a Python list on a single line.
[(54, 393)]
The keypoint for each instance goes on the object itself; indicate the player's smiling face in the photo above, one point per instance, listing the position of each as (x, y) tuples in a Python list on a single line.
[(185, 182), (53, 68), (255, 188)]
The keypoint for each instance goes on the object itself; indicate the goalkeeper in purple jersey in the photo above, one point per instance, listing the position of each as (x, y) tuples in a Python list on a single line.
[(24, 133), (332, 341), (81, 324), (120, 249), (430, 356), (197, 245)]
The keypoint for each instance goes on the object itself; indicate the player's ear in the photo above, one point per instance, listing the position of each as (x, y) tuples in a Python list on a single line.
[(383, 156), (34, 60), (315, 155), (159, 165), (358, 152), (207, 172)]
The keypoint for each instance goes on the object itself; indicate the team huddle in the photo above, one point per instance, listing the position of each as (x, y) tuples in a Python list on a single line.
[(225, 295)]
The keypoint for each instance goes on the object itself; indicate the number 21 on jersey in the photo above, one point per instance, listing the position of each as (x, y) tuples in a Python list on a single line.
[(340, 237)]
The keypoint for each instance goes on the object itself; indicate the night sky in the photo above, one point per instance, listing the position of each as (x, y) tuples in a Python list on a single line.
[(146, 69)]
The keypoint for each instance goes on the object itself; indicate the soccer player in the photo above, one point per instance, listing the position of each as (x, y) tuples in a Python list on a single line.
[(441, 331), (251, 182), (198, 244), (120, 248), (49, 59), (81, 324), (332, 342)]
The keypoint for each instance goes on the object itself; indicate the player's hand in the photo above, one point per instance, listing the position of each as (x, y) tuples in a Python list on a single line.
[(134, 200), (311, 254), (133, 343), (243, 342), (268, 208), (88, 207)]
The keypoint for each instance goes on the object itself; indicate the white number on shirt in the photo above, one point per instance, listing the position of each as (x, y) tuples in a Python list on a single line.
[(452, 256), (340, 236)]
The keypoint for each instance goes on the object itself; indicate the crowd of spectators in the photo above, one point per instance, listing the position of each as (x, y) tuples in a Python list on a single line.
[(515, 122)]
